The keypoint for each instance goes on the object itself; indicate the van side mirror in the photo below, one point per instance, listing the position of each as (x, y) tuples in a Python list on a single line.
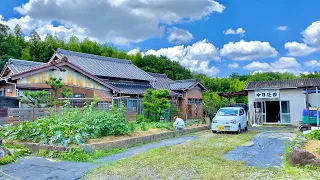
[(214, 114)]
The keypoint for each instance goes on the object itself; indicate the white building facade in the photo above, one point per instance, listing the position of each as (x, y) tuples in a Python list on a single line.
[(280, 101)]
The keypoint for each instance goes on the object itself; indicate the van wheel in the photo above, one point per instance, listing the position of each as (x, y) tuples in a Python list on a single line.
[(214, 132), (239, 129)]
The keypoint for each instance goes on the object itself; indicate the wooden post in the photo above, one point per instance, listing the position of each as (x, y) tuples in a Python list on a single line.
[(307, 99)]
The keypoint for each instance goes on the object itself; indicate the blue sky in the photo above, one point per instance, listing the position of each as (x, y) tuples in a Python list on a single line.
[(272, 35)]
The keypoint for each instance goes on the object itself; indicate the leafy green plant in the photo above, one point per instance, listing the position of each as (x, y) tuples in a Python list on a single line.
[(155, 103), (140, 119), (315, 134), (71, 126), (35, 99), (7, 159), (318, 150)]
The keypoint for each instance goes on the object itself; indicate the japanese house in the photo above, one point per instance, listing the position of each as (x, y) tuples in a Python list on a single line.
[(111, 80), (279, 101)]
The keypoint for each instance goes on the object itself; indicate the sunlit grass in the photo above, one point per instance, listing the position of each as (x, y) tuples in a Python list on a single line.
[(197, 159)]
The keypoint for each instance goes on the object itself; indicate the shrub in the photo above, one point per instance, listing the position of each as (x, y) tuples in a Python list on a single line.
[(7, 159), (140, 118), (315, 134), (71, 126)]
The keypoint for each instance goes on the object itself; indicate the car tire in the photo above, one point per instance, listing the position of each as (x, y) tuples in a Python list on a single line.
[(246, 128), (239, 129), (214, 132)]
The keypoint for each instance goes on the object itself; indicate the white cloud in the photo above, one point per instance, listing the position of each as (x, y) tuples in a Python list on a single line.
[(284, 64), (252, 50), (179, 36), (120, 22), (312, 63), (298, 49), (311, 39), (311, 35), (133, 51), (233, 65), (282, 28), (27, 24), (196, 56), (257, 65), (239, 31)]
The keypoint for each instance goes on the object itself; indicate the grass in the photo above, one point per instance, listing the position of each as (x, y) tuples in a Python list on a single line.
[(197, 159), (77, 155)]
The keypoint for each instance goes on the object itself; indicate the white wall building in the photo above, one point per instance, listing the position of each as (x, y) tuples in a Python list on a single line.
[(280, 101)]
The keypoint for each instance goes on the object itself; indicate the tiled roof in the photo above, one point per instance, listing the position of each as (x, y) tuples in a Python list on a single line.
[(105, 66), (131, 88), (283, 84), (183, 84), (162, 81), (18, 66)]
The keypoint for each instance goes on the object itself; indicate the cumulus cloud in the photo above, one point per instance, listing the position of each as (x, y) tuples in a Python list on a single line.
[(133, 51), (282, 28), (233, 65), (284, 64), (311, 35), (196, 56), (312, 63), (120, 22), (239, 31), (311, 41), (179, 36), (298, 49), (252, 50)]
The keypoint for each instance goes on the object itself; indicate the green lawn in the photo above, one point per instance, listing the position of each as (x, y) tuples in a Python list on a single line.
[(198, 159)]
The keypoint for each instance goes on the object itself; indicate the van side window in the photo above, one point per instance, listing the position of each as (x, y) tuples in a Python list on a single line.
[(241, 112)]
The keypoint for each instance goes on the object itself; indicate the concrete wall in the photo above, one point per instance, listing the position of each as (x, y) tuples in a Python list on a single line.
[(294, 96)]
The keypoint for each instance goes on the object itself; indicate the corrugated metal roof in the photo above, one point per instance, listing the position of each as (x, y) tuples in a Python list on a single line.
[(283, 84), (131, 88), (18, 66), (105, 66)]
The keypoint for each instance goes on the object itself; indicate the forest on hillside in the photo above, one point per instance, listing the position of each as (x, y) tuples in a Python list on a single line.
[(14, 45)]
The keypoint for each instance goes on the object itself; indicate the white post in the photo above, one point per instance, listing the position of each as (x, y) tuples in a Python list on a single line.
[(317, 106)]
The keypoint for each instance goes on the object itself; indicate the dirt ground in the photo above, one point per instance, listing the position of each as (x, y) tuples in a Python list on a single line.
[(311, 146), (133, 135)]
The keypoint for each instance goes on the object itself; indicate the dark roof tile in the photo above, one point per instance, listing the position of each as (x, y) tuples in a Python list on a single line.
[(283, 84), (18, 66), (105, 66)]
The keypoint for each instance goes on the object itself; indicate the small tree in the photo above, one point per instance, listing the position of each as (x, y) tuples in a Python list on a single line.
[(155, 102), (36, 99)]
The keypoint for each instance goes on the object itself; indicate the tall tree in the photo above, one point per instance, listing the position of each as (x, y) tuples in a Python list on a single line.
[(35, 47), (4, 30), (17, 30)]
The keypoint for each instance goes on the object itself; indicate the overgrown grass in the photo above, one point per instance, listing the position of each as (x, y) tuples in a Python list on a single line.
[(77, 155), (18, 151), (197, 159)]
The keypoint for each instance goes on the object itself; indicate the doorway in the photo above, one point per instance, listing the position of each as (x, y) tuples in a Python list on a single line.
[(273, 112)]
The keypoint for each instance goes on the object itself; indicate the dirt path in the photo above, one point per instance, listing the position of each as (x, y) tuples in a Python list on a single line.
[(37, 168)]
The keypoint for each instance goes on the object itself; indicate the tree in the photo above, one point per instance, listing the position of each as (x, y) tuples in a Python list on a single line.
[(35, 47), (36, 99), (155, 102), (17, 30), (4, 30)]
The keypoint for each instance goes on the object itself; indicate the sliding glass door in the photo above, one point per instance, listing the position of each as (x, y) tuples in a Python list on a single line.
[(285, 112)]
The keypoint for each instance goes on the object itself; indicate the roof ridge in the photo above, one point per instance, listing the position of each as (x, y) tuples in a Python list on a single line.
[(24, 61), (93, 56), (184, 80)]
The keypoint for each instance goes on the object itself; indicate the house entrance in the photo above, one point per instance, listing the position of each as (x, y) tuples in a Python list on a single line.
[(273, 112)]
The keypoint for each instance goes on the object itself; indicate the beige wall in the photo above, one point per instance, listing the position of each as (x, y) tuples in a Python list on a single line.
[(69, 77), (13, 92)]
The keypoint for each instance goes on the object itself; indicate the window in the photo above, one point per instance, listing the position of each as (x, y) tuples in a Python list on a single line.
[(241, 112), (2, 92), (285, 112)]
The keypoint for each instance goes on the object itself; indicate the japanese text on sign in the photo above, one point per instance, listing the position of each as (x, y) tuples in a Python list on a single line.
[(267, 93)]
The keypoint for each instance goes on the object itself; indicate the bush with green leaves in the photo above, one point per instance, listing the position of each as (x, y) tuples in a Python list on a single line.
[(315, 134), (71, 126)]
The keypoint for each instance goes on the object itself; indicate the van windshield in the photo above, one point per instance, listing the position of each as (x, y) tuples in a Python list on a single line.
[(227, 112)]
